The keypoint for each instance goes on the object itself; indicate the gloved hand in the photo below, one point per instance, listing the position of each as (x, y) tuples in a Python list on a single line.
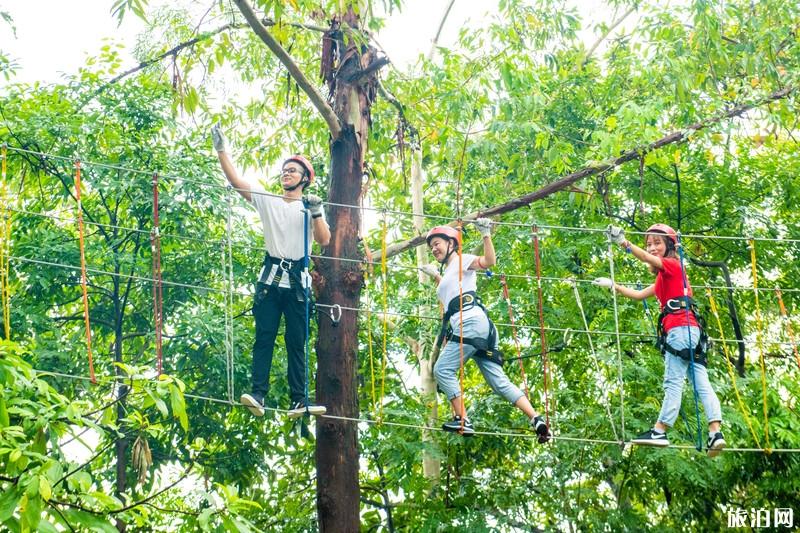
[(430, 270), (484, 226), (218, 139), (314, 204), (604, 282), (615, 234)]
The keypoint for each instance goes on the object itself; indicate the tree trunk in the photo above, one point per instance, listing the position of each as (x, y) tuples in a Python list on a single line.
[(339, 282)]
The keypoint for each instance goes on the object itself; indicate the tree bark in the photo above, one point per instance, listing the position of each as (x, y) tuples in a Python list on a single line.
[(339, 282)]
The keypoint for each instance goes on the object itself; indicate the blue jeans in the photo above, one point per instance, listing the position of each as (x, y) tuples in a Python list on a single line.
[(676, 370), (449, 363)]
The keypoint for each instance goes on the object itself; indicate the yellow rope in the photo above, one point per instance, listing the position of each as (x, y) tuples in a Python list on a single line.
[(759, 342), (731, 373), (369, 335), (384, 271), (5, 249), (789, 331)]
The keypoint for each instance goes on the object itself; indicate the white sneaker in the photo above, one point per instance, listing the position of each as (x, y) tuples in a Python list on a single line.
[(300, 409), (253, 402), (716, 442)]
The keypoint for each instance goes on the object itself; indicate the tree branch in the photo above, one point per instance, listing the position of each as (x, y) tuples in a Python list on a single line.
[(568, 180), (283, 56), (602, 38)]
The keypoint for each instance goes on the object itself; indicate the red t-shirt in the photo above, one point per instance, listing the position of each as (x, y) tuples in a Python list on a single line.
[(669, 284)]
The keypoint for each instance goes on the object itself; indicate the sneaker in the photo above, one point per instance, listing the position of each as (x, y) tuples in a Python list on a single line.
[(254, 402), (716, 442), (540, 427), (454, 426), (299, 409), (651, 437)]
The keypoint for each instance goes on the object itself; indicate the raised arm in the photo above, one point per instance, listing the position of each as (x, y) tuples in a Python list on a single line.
[(488, 259), (617, 235), (241, 185), (319, 228)]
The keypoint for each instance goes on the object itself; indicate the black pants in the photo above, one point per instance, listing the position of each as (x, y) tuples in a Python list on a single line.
[(267, 312)]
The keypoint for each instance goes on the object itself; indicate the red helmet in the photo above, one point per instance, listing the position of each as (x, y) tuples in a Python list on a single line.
[(445, 232), (663, 228), (306, 164)]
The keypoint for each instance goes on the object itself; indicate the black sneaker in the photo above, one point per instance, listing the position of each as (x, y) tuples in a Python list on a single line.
[(454, 426), (540, 427), (716, 443), (651, 437), (299, 409), (254, 402)]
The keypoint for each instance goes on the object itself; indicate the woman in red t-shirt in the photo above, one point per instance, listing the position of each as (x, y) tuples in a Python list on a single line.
[(681, 332)]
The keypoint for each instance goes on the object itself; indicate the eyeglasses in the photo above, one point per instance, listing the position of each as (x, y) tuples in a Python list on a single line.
[(291, 170)]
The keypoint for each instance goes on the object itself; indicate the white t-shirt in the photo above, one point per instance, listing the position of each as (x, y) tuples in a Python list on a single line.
[(448, 286), (282, 225)]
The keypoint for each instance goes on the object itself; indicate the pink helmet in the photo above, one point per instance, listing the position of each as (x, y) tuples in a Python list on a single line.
[(663, 228), (306, 164), (446, 232)]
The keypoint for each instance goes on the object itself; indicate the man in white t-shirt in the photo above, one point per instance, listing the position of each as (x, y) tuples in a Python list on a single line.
[(283, 284)]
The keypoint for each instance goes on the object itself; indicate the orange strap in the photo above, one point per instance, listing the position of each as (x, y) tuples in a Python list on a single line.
[(507, 298), (545, 369), (789, 331), (83, 269)]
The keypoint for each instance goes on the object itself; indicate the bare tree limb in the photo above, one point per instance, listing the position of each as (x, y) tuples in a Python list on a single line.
[(283, 56), (569, 179), (435, 41), (603, 37)]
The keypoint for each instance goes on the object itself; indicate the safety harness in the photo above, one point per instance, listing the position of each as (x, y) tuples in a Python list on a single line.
[(485, 347), (679, 305), (272, 273)]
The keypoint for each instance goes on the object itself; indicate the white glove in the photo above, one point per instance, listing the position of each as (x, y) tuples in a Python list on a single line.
[(314, 204), (218, 139), (603, 282), (615, 234), (484, 226), (430, 270)]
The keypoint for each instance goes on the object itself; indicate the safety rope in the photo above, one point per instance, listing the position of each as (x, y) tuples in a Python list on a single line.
[(788, 323), (759, 343), (617, 337), (307, 297), (228, 270), (542, 335), (5, 248), (596, 360), (731, 373), (214, 185), (500, 432), (507, 298), (83, 269), (685, 280), (461, 372), (226, 312), (385, 304), (158, 300)]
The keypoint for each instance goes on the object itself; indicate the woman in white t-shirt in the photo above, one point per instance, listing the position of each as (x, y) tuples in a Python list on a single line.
[(462, 307)]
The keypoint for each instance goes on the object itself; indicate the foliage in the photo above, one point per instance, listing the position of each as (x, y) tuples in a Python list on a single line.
[(515, 104)]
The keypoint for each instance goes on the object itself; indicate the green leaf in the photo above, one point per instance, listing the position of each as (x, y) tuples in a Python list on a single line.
[(179, 406), (45, 490), (8, 502)]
